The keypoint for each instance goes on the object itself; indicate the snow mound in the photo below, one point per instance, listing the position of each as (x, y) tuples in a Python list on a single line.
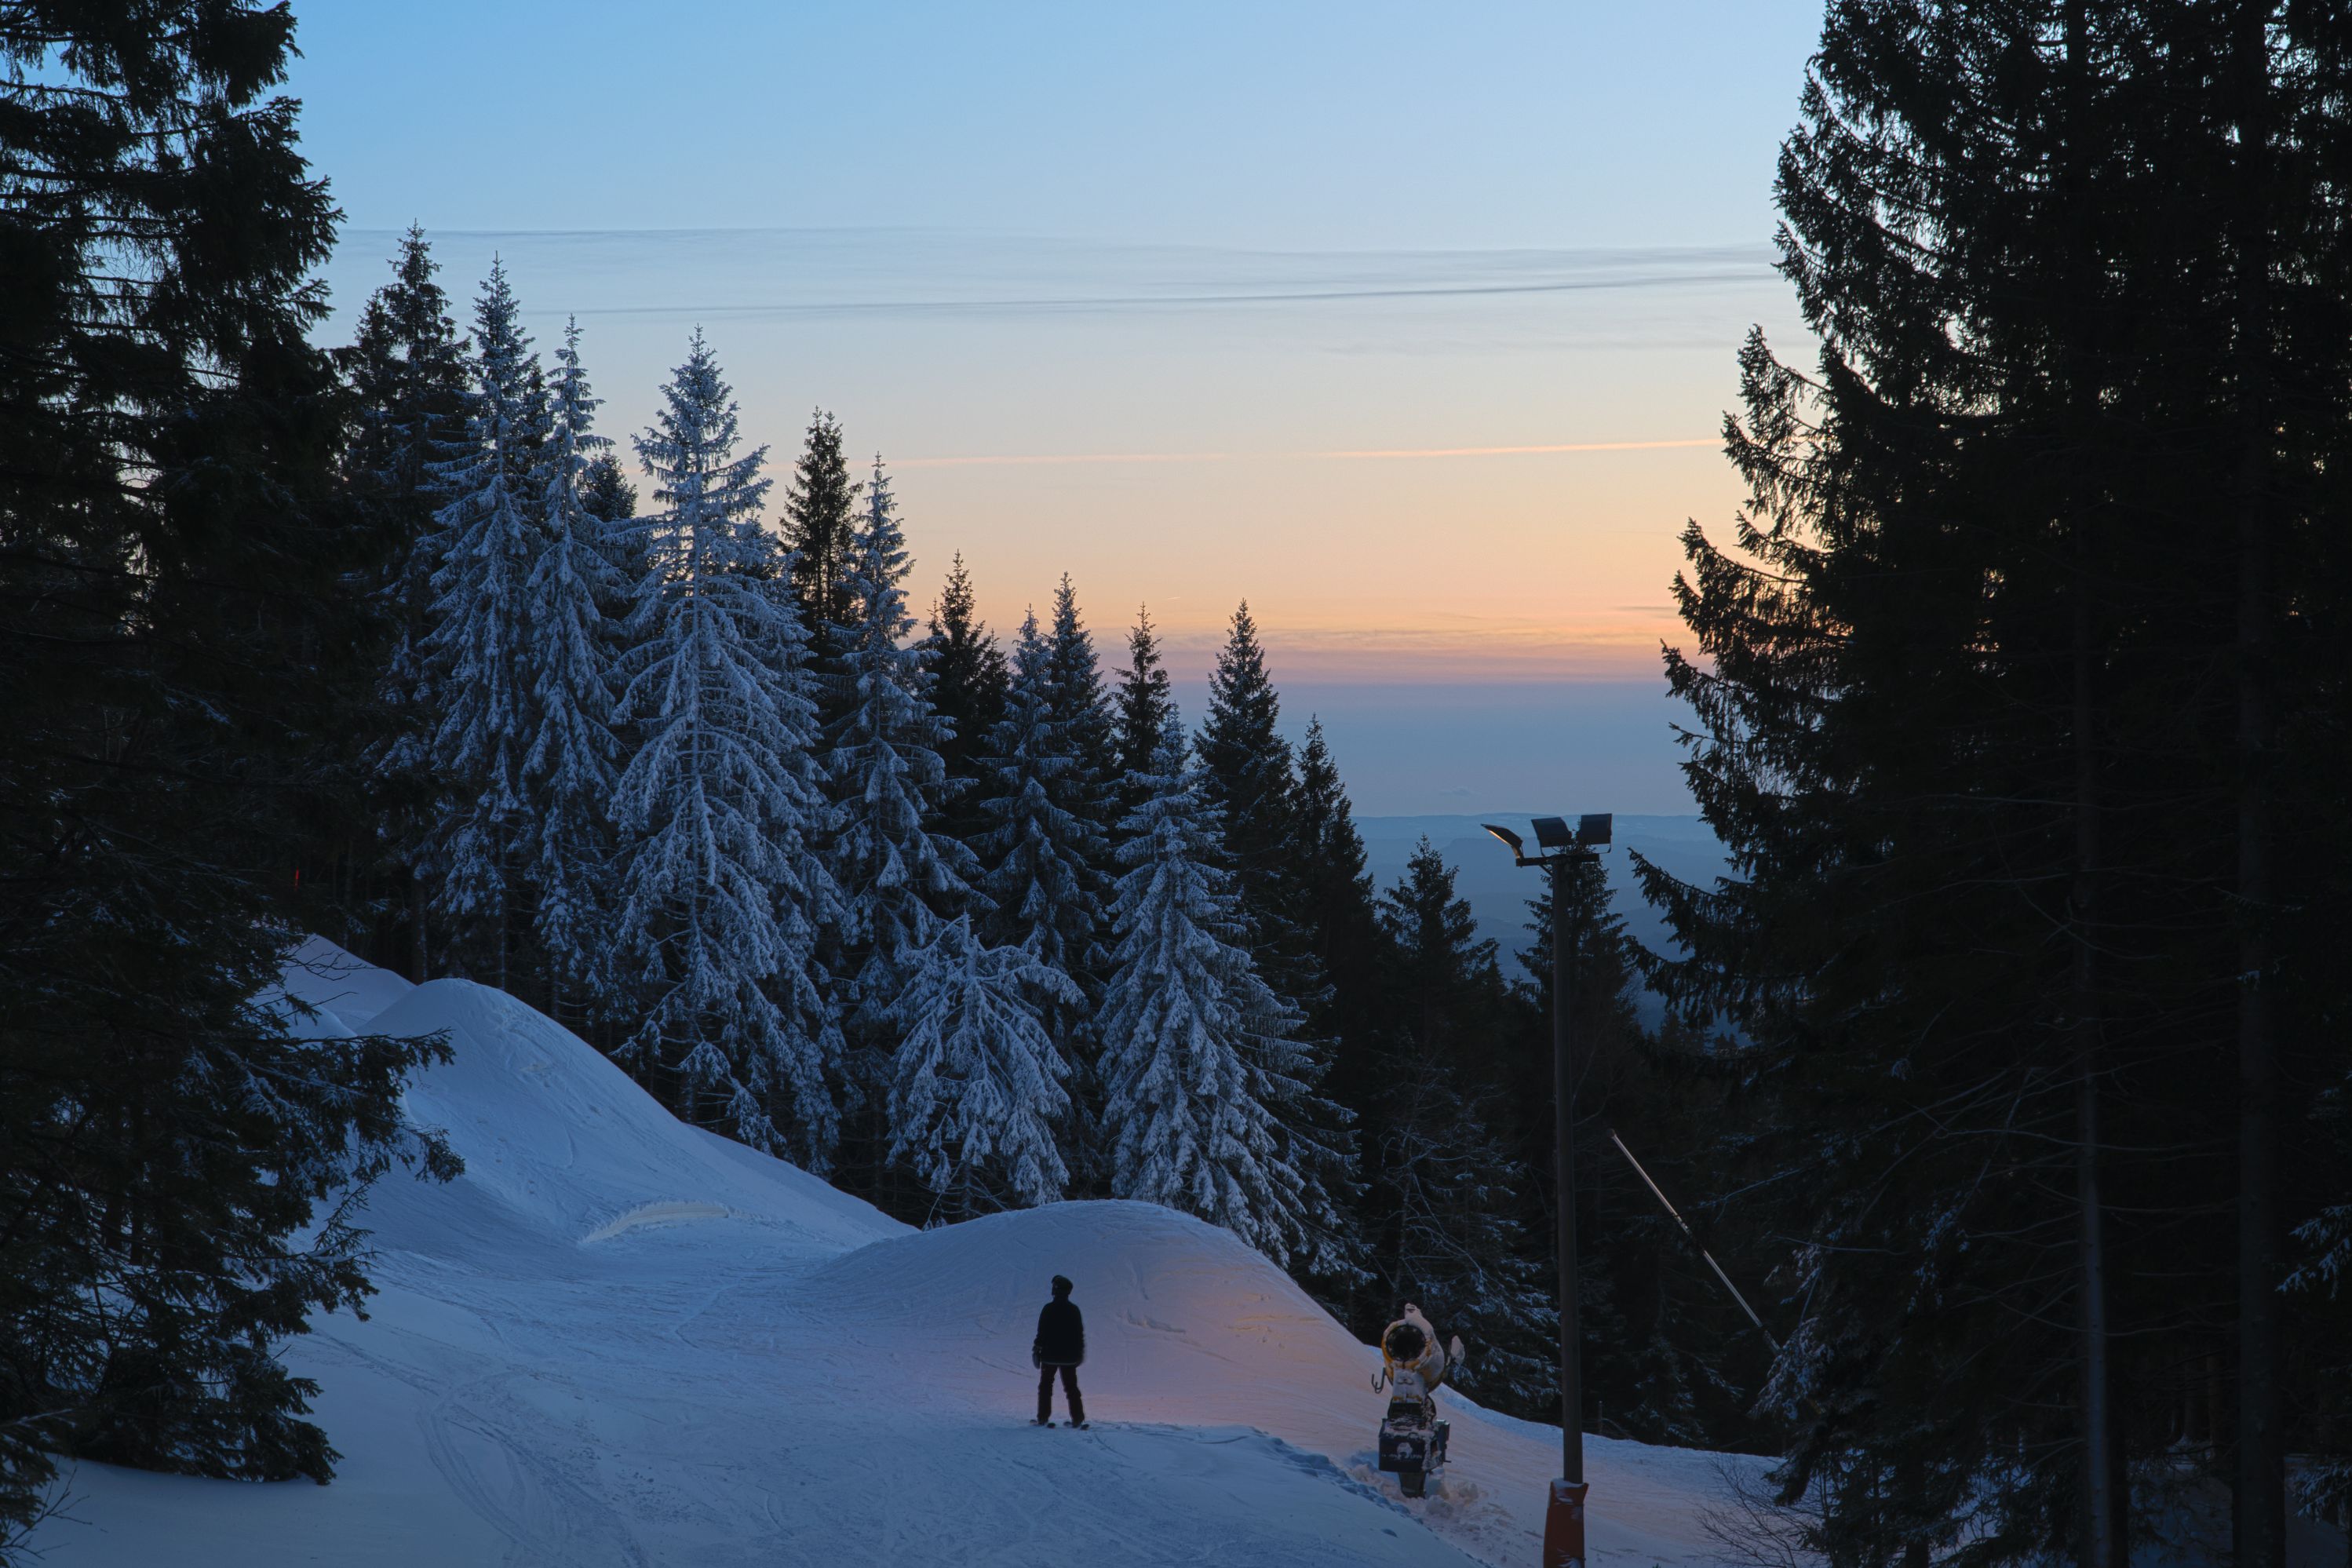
[(561, 1147), (619, 1339), (1190, 1331), (1168, 1298), (343, 990)]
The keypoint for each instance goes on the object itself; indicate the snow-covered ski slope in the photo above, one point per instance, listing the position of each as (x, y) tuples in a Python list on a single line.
[(619, 1340)]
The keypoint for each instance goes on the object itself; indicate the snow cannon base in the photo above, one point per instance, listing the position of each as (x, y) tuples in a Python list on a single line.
[(1413, 1444)]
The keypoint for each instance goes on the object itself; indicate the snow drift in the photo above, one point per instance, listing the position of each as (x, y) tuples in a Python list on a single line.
[(619, 1339)]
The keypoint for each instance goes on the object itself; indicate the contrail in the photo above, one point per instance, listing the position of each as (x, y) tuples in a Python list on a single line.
[(1043, 459)]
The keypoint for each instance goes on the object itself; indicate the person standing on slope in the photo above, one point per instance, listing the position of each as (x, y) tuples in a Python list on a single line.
[(1060, 1345)]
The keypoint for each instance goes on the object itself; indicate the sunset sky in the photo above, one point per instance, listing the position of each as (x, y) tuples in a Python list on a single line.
[(1412, 325)]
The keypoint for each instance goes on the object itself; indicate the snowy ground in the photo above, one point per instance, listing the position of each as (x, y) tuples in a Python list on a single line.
[(616, 1339)]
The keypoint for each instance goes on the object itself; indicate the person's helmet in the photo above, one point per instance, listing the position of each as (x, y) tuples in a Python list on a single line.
[(1062, 1287)]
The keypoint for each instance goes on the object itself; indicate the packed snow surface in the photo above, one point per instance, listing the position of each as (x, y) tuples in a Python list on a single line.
[(619, 1339)]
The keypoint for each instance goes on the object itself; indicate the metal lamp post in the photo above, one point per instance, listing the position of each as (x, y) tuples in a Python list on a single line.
[(1560, 852)]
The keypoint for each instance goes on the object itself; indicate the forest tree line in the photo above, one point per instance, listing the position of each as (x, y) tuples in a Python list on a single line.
[(2019, 696)]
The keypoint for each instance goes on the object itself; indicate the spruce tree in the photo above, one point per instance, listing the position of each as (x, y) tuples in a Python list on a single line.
[(1336, 910), (1145, 698), (724, 893), (1205, 1083), (969, 677), (407, 375), (820, 517), (1250, 776), (485, 546), (1253, 782), (184, 614), (571, 762), (606, 492), (1041, 847), (897, 877), (975, 1082), (1080, 707)]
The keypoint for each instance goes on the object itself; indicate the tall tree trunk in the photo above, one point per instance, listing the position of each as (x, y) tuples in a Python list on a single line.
[(2259, 1516), (2103, 1484), (2106, 1538), (2105, 1497)]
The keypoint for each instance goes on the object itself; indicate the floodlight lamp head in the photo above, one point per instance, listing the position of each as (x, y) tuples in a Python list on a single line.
[(1507, 835), (1593, 830), (1551, 833)]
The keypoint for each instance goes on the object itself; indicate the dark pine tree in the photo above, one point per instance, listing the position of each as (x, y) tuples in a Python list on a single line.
[(1337, 918), (182, 615), (1253, 781), (1250, 775), (820, 517), (969, 677), (1080, 704), (607, 494), (1145, 698), (1088, 716), (1668, 1358), (406, 372), (1441, 1200)]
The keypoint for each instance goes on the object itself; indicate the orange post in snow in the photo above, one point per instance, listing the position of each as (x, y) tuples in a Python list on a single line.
[(1564, 1526)]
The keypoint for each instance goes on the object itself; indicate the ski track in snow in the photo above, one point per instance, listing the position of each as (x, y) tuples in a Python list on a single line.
[(618, 1340)]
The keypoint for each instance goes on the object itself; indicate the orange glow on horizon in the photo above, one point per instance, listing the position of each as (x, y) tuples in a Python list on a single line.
[(1064, 460)]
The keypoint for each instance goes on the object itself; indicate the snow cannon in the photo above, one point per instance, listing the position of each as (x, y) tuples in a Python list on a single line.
[(1412, 1368)]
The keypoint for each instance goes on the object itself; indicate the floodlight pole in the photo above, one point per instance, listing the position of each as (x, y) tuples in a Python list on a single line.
[(1564, 1516)]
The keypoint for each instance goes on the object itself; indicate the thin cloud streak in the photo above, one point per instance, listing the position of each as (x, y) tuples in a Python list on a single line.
[(1126, 302), (1043, 459), (919, 274)]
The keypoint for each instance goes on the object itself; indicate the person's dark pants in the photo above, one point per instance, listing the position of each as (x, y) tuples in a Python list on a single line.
[(1069, 1391)]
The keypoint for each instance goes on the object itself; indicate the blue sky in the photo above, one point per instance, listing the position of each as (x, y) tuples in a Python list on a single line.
[(1412, 325)]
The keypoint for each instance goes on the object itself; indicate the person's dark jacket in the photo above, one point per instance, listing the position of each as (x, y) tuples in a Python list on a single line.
[(1061, 1334)]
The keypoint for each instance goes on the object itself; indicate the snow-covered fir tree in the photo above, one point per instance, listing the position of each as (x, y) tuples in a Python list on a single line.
[(724, 893), (976, 1081), (486, 544), (885, 775), (571, 763), (1203, 1078), (1250, 775), (1041, 847)]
